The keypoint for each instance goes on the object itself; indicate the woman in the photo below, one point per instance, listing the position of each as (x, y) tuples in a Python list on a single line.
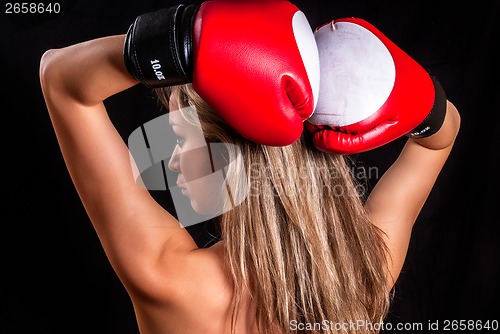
[(302, 252)]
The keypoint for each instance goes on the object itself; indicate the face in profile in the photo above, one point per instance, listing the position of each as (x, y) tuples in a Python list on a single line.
[(202, 168)]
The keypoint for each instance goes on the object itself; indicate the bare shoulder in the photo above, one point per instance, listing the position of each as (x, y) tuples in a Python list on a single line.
[(206, 268), (193, 293), (183, 272)]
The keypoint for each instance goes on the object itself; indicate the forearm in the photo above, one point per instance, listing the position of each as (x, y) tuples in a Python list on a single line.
[(397, 199), (86, 72)]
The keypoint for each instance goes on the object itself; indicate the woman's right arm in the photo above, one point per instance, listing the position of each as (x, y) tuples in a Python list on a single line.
[(395, 202), (135, 231)]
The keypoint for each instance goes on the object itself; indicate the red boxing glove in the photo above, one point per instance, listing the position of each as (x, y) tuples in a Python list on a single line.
[(255, 62), (371, 91)]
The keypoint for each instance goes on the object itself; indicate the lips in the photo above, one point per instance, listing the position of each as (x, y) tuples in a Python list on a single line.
[(181, 184)]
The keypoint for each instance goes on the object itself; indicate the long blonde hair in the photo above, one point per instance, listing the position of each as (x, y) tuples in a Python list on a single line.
[(301, 242)]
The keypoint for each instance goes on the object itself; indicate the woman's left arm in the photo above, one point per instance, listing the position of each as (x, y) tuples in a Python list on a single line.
[(398, 197)]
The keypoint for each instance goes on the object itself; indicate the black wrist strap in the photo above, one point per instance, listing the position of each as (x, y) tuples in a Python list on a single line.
[(433, 122), (158, 46)]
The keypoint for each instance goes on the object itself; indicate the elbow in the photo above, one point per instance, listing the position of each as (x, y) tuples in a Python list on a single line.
[(47, 70), (53, 79), (45, 61)]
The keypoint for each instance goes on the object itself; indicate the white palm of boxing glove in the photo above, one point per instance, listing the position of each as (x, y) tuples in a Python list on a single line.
[(371, 91)]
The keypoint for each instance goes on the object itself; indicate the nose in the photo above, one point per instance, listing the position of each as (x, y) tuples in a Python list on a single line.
[(173, 163)]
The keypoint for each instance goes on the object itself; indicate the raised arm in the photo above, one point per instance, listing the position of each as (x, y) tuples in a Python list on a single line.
[(137, 234), (133, 229), (395, 202), (372, 93)]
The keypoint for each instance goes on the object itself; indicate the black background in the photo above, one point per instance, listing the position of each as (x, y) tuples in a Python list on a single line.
[(55, 273)]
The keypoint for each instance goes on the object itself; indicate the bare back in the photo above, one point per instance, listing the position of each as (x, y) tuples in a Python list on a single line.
[(175, 286)]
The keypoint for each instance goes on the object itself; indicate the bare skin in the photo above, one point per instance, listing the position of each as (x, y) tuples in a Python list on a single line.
[(175, 286)]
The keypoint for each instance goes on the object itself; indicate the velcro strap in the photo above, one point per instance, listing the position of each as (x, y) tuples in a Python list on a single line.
[(158, 46), (434, 120)]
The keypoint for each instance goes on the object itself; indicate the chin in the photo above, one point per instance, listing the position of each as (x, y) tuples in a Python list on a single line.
[(200, 208), (205, 208)]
